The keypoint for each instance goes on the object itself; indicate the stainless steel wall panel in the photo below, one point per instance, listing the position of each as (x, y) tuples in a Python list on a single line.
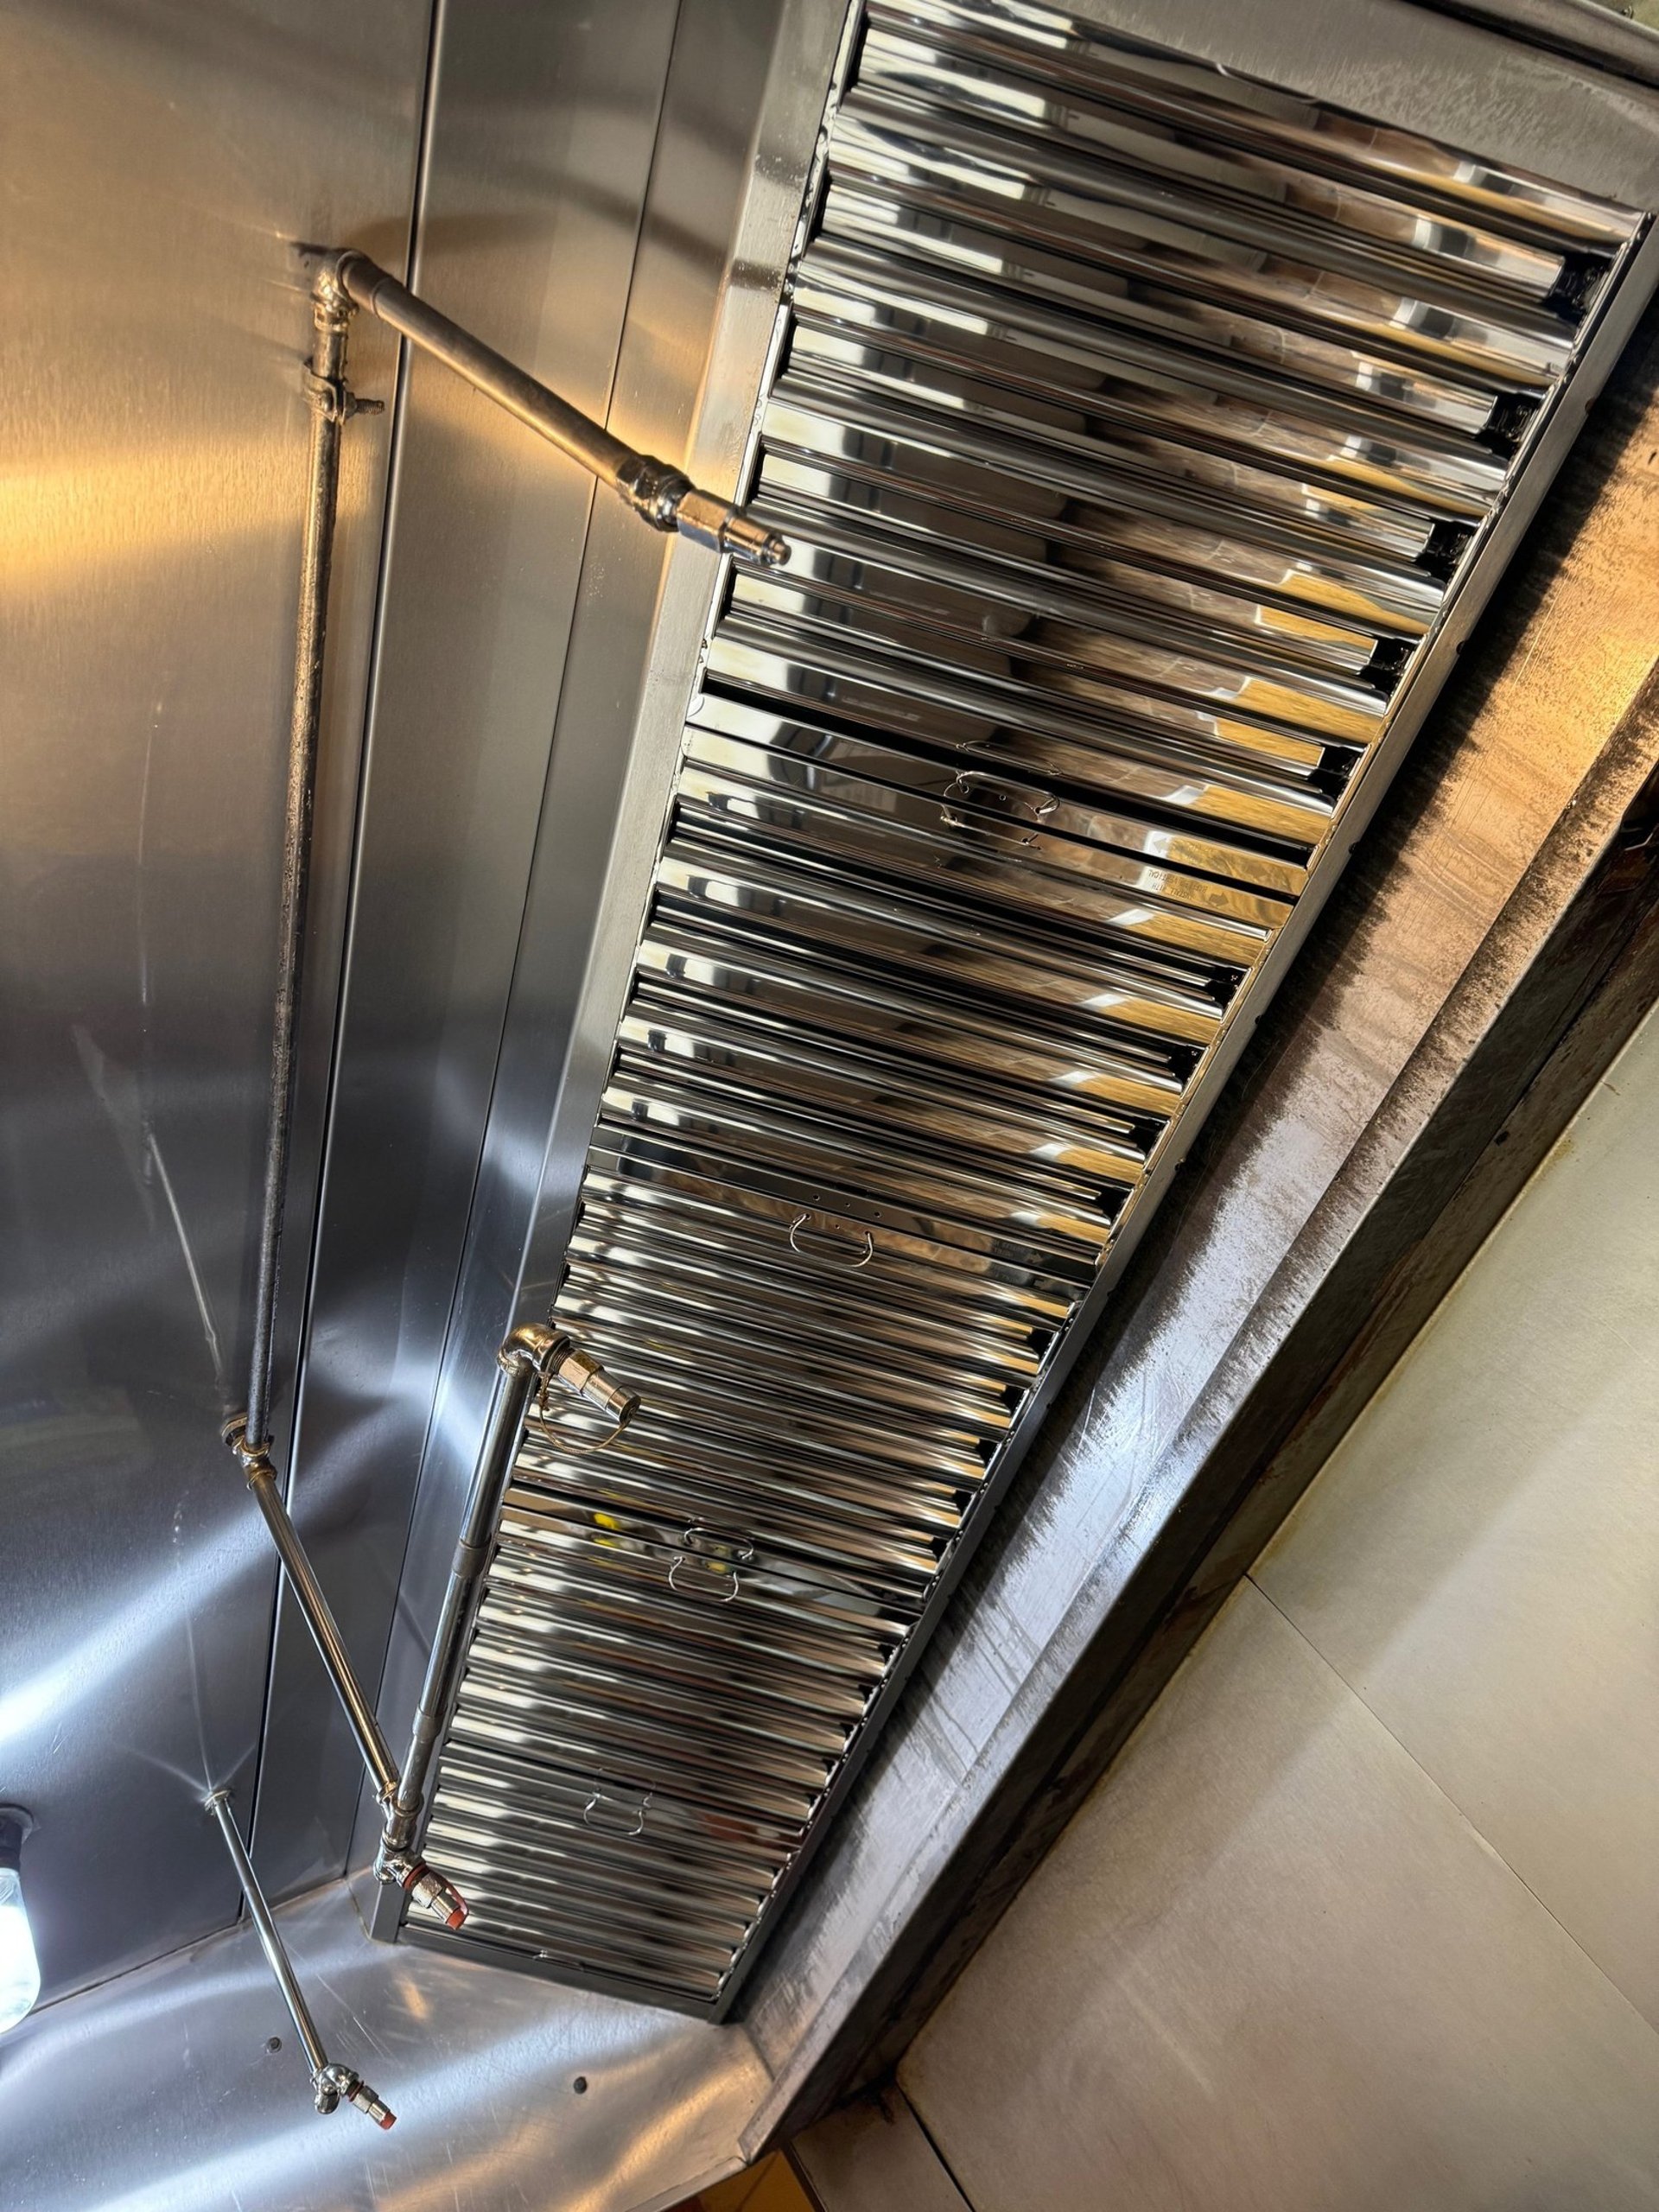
[(736, 133), (992, 813), (159, 167), (543, 127)]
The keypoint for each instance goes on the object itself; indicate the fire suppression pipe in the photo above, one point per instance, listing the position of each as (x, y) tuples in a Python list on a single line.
[(535, 1358)]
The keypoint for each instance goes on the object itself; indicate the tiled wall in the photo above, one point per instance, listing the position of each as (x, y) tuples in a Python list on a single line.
[(1367, 1915)]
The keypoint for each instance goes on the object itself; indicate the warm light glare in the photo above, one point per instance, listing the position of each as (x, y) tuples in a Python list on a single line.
[(20, 1970)]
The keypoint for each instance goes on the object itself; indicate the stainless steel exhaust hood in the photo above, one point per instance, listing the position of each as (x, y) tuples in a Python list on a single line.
[(1140, 430), (810, 996)]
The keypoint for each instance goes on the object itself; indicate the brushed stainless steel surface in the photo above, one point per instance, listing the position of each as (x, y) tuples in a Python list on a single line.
[(539, 148), (159, 168), (1006, 745), (179, 2105)]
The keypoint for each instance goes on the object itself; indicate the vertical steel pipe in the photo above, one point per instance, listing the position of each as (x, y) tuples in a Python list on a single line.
[(532, 1357), (521, 1367), (330, 405)]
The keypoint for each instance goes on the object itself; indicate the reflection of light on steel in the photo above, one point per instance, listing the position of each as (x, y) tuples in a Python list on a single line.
[(103, 1648), (948, 1028), (60, 519), (20, 1968), (198, 1292), (493, 2053)]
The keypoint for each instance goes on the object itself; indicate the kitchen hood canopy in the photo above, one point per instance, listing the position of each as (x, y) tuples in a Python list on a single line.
[(1134, 426)]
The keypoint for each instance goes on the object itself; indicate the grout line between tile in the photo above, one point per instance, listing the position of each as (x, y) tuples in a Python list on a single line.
[(1440, 1790)]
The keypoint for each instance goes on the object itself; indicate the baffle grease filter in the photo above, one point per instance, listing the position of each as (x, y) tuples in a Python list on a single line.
[(1133, 425)]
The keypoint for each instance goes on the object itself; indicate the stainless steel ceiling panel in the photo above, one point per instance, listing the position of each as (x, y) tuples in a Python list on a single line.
[(183, 2103), (158, 166), (1134, 428)]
